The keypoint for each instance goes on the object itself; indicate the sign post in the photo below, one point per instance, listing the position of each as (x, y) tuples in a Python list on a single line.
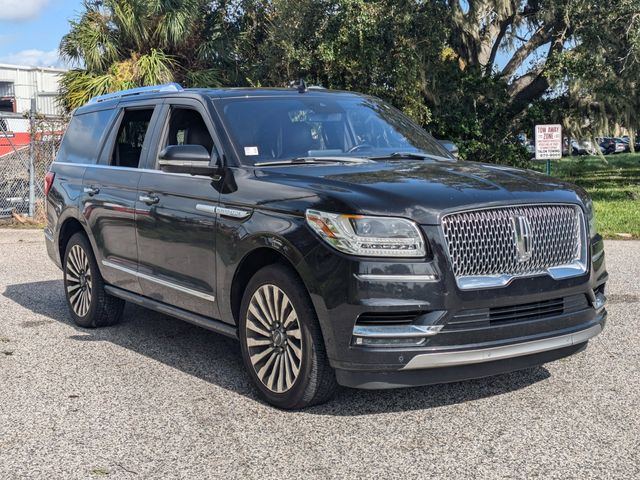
[(548, 144)]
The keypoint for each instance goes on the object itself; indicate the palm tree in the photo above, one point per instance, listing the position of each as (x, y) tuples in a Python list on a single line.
[(120, 44)]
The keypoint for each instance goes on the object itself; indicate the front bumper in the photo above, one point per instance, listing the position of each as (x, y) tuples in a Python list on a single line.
[(444, 351), (414, 378), (451, 365)]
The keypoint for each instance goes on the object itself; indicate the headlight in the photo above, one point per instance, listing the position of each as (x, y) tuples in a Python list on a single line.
[(591, 218), (368, 236)]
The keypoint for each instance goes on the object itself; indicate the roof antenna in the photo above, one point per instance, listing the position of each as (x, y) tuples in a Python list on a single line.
[(302, 87)]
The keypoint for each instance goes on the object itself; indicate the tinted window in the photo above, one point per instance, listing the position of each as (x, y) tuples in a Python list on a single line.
[(266, 129), (6, 105), (82, 140), (187, 127), (130, 138), (7, 97)]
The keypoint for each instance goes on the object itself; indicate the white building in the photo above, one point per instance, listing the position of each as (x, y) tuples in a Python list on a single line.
[(19, 84)]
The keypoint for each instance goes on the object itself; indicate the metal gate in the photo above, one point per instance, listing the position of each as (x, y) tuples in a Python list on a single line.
[(28, 145)]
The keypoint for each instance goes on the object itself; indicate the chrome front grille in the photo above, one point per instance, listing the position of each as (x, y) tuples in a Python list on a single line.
[(490, 247)]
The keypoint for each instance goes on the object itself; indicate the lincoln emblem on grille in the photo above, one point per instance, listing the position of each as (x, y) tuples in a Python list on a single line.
[(522, 237)]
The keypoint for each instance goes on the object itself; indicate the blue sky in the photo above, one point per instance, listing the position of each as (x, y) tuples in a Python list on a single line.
[(30, 30)]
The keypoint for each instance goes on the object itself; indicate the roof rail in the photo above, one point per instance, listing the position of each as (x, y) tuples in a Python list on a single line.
[(167, 87)]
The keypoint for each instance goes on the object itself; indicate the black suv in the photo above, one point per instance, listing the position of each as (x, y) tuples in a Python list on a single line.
[(338, 241)]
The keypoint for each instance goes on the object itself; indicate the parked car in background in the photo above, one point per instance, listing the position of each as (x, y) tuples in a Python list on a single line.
[(636, 144), (622, 145), (329, 234), (611, 145), (608, 145), (584, 147), (531, 148), (14, 196), (529, 145)]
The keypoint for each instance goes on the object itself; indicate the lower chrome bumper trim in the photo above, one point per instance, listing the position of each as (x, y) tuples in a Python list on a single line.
[(465, 357), (365, 277)]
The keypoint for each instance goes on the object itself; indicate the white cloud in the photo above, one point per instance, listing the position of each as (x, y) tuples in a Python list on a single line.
[(34, 58), (21, 9)]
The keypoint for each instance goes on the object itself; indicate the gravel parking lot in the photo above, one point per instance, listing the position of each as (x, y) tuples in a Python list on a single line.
[(158, 398)]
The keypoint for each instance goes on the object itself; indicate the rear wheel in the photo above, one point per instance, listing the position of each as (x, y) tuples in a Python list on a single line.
[(90, 306), (282, 346)]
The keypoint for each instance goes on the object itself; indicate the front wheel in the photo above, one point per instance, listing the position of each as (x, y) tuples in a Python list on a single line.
[(89, 304), (282, 346)]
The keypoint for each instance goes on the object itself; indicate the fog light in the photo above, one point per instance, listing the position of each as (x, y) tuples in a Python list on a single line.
[(393, 335), (388, 342), (599, 302)]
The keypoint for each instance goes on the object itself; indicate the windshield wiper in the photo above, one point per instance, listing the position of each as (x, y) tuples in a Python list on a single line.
[(404, 155), (311, 161)]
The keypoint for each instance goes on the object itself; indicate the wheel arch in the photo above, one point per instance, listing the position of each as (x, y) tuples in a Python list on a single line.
[(71, 221), (249, 265), (69, 227)]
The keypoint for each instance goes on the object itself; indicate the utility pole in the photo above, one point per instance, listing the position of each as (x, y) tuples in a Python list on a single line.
[(32, 160)]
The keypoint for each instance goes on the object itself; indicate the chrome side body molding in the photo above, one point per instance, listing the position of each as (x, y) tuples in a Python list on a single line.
[(159, 281)]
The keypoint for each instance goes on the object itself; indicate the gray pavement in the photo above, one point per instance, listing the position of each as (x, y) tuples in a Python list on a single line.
[(157, 398)]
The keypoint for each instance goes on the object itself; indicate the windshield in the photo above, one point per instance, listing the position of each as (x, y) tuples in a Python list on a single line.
[(285, 128)]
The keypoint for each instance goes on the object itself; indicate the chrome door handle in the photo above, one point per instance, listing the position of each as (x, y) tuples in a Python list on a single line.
[(91, 191), (149, 199)]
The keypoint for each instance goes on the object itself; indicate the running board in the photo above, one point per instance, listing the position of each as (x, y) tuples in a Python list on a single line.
[(193, 318)]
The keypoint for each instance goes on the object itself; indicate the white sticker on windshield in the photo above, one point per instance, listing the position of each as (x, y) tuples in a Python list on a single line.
[(251, 151)]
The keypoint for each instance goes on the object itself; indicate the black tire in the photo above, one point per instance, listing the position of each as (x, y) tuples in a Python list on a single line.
[(97, 308), (315, 382)]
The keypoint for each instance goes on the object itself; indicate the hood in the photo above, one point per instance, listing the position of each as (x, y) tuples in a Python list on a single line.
[(420, 190)]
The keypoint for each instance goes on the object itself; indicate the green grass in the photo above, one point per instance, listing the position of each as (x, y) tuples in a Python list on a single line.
[(614, 185)]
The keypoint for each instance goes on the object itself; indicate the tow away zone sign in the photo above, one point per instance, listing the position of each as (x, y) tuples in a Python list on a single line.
[(548, 142)]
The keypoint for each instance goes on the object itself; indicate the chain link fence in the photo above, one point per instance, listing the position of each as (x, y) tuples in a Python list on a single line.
[(27, 148)]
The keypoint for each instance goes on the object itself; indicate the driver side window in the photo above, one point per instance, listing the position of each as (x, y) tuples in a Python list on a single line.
[(187, 127)]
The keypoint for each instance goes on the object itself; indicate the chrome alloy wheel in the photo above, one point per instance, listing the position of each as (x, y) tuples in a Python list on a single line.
[(79, 284), (274, 338)]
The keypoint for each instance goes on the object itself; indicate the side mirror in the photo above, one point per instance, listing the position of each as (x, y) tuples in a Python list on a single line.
[(191, 159), (451, 147)]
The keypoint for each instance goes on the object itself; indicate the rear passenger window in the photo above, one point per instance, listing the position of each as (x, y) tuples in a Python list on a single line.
[(83, 138), (187, 127), (130, 139)]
